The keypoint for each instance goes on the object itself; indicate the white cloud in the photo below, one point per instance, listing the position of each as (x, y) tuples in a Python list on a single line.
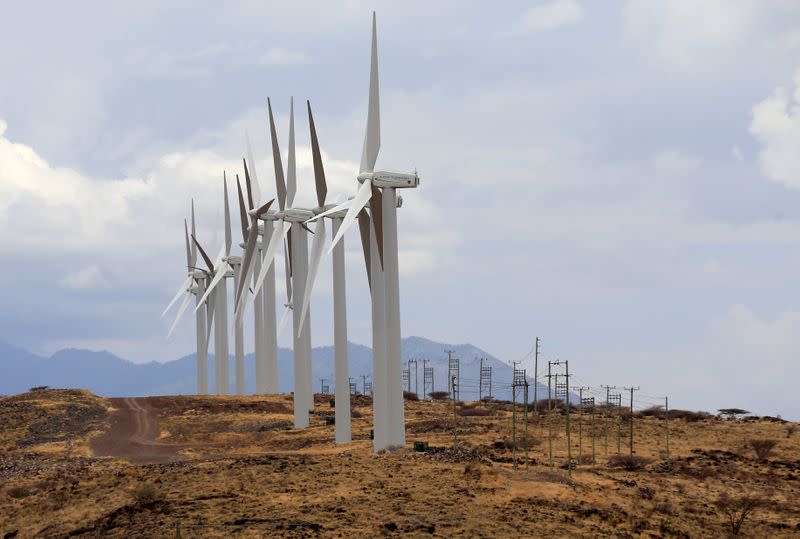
[(85, 278), (278, 56), (676, 162), (776, 125), (545, 17), (686, 32)]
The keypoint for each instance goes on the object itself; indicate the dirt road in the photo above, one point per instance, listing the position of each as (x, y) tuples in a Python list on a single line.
[(133, 433)]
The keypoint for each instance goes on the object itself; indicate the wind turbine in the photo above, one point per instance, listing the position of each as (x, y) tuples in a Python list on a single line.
[(384, 216), (223, 268), (291, 221), (342, 376), (193, 286), (251, 230)]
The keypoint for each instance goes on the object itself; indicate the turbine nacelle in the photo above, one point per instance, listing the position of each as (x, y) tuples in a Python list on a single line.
[(297, 215), (383, 178)]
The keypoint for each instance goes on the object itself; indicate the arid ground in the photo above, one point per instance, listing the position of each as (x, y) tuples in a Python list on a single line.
[(75, 464)]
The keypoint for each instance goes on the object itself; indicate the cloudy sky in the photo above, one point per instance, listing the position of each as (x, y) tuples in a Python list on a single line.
[(619, 178)]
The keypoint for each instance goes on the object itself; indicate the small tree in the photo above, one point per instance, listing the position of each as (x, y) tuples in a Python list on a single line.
[(737, 509), (732, 413), (763, 448)]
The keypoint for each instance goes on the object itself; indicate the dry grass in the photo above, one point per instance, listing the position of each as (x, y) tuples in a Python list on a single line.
[(243, 471)]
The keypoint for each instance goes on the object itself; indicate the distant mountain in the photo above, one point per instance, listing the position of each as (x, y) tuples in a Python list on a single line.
[(106, 374)]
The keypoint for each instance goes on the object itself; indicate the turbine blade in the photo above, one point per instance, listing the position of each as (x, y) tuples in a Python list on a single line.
[(319, 171), (252, 162), (250, 249), (263, 209), (248, 184), (284, 318), (280, 184), (182, 310), (316, 255), (242, 210), (204, 255), (291, 164), (189, 262), (228, 238), (287, 266), (361, 199), (376, 209), (343, 206), (210, 308), (182, 290), (194, 248), (372, 136), (222, 270), (364, 229), (275, 240)]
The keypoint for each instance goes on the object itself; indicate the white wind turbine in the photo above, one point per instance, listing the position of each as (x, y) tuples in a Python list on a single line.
[(265, 347), (289, 222), (342, 376), (380, 189), (194, 285), (221, 269)]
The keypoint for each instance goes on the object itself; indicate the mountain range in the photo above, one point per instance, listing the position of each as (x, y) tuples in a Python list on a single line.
[(106, 374)]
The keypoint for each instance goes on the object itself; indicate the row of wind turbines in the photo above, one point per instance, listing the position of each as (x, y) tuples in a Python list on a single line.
[(265, 230)]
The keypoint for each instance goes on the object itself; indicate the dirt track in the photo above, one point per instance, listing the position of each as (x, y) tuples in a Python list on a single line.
[(133, 433)]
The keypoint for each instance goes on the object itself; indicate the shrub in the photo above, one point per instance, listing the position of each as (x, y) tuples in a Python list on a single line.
[(410, 396), (791, 428), (439, 395), (145, 494), (39, 388), (630, 463), (688, 415), (647, 493), (18, 492), (731, 413), (737, 509), (474, 411), (763, 448), (653, 411)]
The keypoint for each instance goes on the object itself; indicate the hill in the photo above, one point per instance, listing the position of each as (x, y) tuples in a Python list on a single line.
[(106, 374)]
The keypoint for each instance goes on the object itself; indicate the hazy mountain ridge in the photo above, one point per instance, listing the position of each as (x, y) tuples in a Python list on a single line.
[(106, 374)]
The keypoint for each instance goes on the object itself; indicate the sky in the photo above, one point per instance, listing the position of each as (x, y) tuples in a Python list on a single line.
[(620, 178)]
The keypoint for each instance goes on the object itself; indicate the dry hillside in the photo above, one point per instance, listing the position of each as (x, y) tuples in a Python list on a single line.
[(74, 464)]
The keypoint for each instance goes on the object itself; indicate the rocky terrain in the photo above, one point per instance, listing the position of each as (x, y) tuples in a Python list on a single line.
[(73, 464)]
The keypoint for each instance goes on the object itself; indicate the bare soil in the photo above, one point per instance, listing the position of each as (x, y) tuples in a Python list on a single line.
[(76, 465)]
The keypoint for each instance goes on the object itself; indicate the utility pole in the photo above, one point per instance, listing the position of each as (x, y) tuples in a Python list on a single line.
[(353, 387), (514, 416), (550, 413), (427, 378), (631, 389), (363, 384), (569, 434), (666, 423), (536, 377), (605, 413), (580, 421), (324, 389), (526, 422), (453, 370), (407, 378), (593, 433), (416, 376), (453, 390)]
